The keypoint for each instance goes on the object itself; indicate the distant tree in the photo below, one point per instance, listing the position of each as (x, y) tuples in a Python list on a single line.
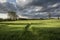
[(58, 16), (49, 15), (12, 15)]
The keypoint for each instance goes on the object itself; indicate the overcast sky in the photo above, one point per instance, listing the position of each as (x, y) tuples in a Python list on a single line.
[(2, 15), (32, 7)]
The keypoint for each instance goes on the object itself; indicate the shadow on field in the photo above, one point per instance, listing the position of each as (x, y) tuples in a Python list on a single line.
[(26, 34), (3, 27), (47, 33)]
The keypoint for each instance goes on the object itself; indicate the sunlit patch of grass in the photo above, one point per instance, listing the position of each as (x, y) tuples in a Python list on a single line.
[(16, 25), (31, 21)]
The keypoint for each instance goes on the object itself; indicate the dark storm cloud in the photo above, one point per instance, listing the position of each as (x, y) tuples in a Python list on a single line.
[(39, 6), (43, 2)]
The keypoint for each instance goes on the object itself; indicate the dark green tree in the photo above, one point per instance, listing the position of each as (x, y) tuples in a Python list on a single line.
[(12, 15), (58, 16), (49, 15)]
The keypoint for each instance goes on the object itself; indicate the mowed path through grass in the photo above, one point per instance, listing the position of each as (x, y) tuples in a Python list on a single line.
[(38, 30)]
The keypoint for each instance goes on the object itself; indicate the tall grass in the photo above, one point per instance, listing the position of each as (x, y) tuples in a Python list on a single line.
[(39, 30)]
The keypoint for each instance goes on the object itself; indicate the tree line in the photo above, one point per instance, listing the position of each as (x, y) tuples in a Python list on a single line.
[(13, 16)]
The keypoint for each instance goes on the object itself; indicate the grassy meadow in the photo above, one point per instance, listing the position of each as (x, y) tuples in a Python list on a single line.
[(36, 30)]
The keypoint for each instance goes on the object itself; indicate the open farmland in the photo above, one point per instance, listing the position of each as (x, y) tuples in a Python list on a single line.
[(37, 30)]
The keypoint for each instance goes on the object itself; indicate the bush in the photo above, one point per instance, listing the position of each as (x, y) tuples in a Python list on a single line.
[(1, 19), (22, 19), (42, 18)]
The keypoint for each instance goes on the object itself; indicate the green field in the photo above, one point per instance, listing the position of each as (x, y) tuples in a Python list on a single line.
[(37, 30)]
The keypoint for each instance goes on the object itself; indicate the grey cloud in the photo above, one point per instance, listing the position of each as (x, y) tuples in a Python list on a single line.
[(32, 9), (43, 3), (23, 3)]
